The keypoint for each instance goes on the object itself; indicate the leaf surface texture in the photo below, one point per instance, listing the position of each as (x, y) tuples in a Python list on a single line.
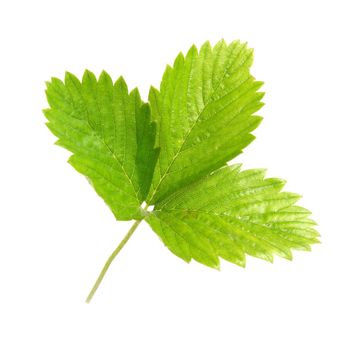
[(110, 134), (173, 154), (231, 213), (204, 112)]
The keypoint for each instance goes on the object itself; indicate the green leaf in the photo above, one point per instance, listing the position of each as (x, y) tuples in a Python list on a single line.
[(205, 114), (172, 154), (229, 214), (110, 135)]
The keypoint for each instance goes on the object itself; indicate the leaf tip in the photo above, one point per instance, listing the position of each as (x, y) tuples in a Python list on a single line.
[(179, 61), (105, 77), (67, 75), (192, 52), (206, 46), (88, 76), (121, 83), (136, 94)]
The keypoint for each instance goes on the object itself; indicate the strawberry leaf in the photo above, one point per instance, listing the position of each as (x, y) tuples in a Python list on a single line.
[(204, 112), (231, 213), (110, 135), (172, 153)]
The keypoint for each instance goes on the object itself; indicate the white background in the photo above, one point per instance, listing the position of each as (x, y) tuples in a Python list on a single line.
[(56, 232)]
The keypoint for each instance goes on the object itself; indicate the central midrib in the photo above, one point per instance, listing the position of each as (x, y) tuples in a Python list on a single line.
[(100, 137)]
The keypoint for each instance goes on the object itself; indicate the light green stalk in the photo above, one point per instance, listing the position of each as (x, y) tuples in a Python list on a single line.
[(111, 258)]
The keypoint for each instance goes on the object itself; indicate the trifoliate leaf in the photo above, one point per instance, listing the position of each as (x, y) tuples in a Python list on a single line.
[(205, 114), (110, 135), (173, 154), (231, 213)]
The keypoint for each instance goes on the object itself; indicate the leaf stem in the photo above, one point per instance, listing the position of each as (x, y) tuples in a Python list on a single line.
[(110, 259)]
